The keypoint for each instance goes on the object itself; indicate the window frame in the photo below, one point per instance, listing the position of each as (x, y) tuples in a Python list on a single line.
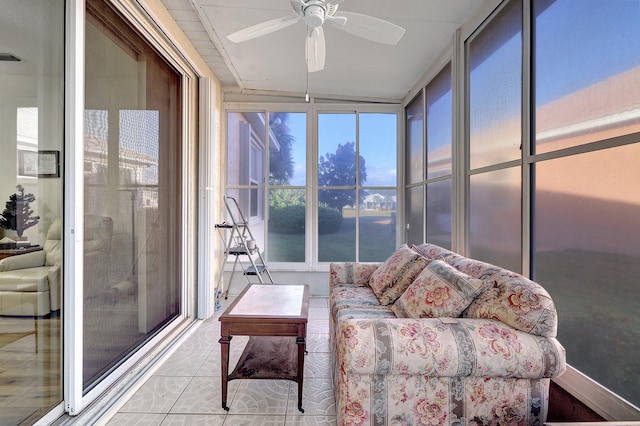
[(312, 110)]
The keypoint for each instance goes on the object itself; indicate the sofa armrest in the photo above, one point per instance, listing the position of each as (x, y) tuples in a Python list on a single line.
[(445, 347), (23, 261), (355, 273)]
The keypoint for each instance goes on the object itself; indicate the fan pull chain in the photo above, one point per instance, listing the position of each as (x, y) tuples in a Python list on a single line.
[(306, 94)]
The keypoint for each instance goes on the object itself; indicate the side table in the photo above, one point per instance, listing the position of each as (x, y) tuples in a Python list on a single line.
[(272, 315), (16, 251)]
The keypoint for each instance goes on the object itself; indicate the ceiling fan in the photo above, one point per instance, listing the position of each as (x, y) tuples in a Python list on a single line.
[(314, 13)]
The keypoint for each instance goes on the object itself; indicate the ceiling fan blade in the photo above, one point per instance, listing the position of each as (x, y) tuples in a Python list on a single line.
[(263, 28), (315, 49), (371, 28)]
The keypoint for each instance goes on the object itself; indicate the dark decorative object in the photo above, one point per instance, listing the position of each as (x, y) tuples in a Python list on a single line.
[(17, 214)]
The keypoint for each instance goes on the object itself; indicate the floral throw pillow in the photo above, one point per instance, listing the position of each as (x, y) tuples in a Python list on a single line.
[(439, 291), (393, 277)]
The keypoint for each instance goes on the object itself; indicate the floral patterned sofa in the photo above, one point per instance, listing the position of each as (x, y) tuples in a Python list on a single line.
[(430, 337)]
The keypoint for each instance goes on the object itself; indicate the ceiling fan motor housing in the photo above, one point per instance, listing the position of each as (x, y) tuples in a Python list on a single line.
[(314, 13)]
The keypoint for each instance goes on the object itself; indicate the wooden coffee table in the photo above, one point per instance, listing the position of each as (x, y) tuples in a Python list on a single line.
[(275, 317)]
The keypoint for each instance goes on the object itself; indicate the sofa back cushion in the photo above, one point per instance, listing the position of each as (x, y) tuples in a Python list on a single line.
[(432, 251), (508, 296), (393, 277), (439, 291), (518, 302)]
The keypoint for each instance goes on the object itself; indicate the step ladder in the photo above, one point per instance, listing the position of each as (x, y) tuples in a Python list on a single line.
[(239, 243)]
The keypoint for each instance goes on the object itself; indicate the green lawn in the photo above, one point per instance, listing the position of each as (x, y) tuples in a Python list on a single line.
[(377, 240)]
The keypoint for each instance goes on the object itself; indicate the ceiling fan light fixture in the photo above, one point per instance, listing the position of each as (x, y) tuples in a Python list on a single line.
[(314, 14)]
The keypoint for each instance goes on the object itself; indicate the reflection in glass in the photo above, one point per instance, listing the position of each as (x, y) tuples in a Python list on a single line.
[(31, 284), (439, 123), (287, 152), (336, 225), (415, 215), (439, 213), (495, 89), (587, 88), (246, 148), (588, 257), (132, 194), (495, 218), (414, 140)]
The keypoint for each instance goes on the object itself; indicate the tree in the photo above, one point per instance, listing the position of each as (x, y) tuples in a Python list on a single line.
[(17, 214), (280, 161), (339, 169)]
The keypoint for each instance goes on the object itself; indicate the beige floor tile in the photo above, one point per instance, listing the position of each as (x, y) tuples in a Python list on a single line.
[(136, 419), (317, 398), (203, 396), (183, 363), (302, 420), (260, 397), (194, 420), (254, 420)]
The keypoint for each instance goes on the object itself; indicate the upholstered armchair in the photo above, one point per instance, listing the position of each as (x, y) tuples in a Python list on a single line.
[(30, 282)]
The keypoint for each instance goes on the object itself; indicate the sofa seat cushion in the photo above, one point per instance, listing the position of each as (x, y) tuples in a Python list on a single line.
[(393, 277), (343, 296), (30, 279), (439, 291), (364, 312)]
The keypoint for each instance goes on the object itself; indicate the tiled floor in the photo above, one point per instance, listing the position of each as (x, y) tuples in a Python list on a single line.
[(185, 390)]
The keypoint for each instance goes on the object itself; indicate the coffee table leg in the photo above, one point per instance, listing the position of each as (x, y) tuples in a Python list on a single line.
[(301, 349), (224, 352)]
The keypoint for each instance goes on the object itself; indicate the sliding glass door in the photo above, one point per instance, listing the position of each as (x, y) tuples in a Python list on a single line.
[(132, 193), (31, 181)]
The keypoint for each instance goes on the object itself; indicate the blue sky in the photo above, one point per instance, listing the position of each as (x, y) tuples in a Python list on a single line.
[(377, 143)]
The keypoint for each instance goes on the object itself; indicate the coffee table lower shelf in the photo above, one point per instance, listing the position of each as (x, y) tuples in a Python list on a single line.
[(269, 357)]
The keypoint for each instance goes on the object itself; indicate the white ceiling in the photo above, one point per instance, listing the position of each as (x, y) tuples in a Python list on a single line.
[(354, 67)]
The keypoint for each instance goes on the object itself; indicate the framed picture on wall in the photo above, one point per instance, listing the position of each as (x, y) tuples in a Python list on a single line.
[(42, 164)]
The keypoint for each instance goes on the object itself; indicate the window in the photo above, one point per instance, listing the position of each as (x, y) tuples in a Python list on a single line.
[(287, 187), (429, 170), (355, 203), (276, 141), (256, 160), (356, 181), (32, 118), (132, 187), (414, 167), (439, 159), (495, 133), (587, 204)]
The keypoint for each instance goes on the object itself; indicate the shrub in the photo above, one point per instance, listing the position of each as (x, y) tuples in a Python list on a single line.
[(291, 220), (329, 220), (287, 220)]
